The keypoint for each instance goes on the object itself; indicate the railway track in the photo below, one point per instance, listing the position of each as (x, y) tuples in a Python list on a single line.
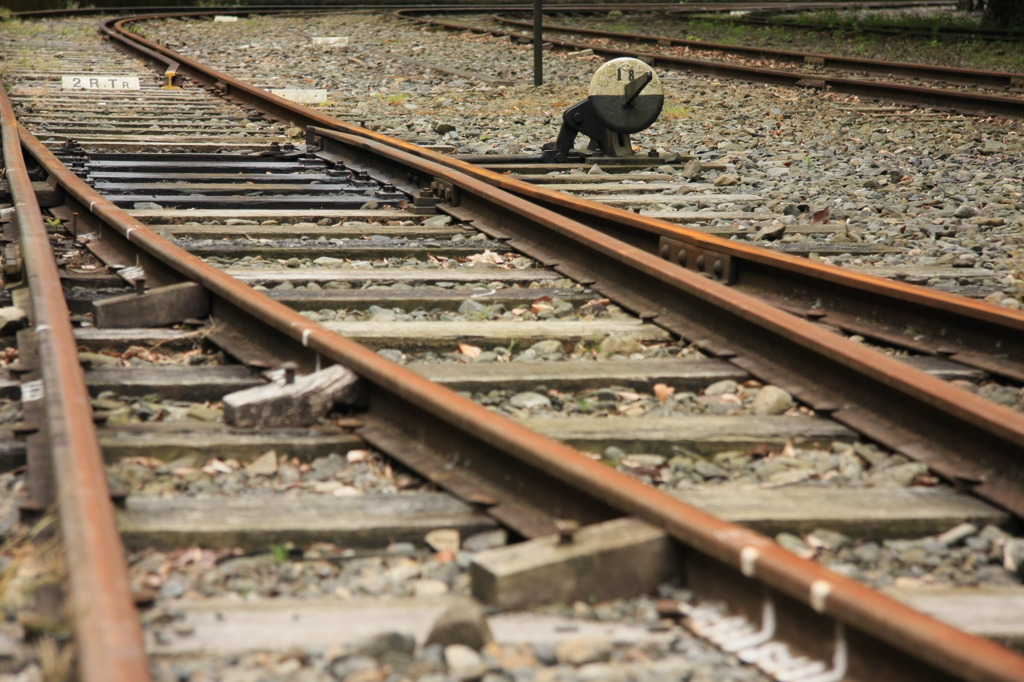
[(852, 25), (453, 289), (975, 91), (740, 204)]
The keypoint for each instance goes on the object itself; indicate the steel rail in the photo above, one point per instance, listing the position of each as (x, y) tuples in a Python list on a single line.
[(962, 436), (472, 6), (881, 638), (764, 18), (935, 97), (974, 77), (959, 327), (107, 631)]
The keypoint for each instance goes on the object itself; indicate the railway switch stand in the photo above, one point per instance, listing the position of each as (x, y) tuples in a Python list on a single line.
[(625, 96)]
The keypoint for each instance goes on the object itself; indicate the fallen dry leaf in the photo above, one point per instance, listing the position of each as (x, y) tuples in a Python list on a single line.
[(216, 466), (354, 456), (663, 391), (820, 216), (487, 256), (469, 351)]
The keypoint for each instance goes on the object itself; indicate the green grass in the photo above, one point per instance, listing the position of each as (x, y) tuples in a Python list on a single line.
[(857, 21), (842, 40)]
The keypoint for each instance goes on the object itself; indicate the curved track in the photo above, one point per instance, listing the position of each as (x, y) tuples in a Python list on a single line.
[(931, 422)]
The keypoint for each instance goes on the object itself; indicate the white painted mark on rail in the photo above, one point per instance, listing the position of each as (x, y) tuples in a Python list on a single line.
[(100, 83), (305, 337), (820, 589), (748, 560)]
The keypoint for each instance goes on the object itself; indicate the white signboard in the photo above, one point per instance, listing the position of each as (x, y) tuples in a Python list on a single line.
[(331, 41), (224, 17), (100, 83), (302, 96)]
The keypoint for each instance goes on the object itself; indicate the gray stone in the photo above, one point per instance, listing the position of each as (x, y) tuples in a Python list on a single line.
[(830, 539), (673, 669), (442, 539), (1008, 396), (11, 318), (344, 668), (547, 347), (721, 387), (429, 660), (692, 170), (463, 662), (620, 344), (488, 539), (994, 536), (392, 354), (957, 534), (530, 400), (324, 468), (867, 553), (498, 676), (642, 460), (264, 465), (1013, 556), (546, 653), (776, 230), (965, 211), (601, 672), (771, 400), (471, 309), (429, 588), (388, 648), (175, 586), (464, 623), (900, 475), (708, 471), (793, 543), (583, 650)]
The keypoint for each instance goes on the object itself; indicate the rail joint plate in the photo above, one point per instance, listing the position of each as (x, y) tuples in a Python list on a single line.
[(714, 264)]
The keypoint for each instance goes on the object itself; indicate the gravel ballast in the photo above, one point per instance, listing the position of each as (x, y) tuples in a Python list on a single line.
[(944, 190)]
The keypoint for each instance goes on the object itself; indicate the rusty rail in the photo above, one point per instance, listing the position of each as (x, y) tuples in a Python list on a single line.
[(960, 328), (973, 77), (960, 435), (915, 94), (562, 482), (874, 628), (107, 631)]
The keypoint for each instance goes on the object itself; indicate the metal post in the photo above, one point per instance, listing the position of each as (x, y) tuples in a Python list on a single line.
[(538, 44)]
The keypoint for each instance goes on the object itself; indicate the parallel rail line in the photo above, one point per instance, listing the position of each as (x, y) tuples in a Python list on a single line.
[(628, 258), (972, 102)]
